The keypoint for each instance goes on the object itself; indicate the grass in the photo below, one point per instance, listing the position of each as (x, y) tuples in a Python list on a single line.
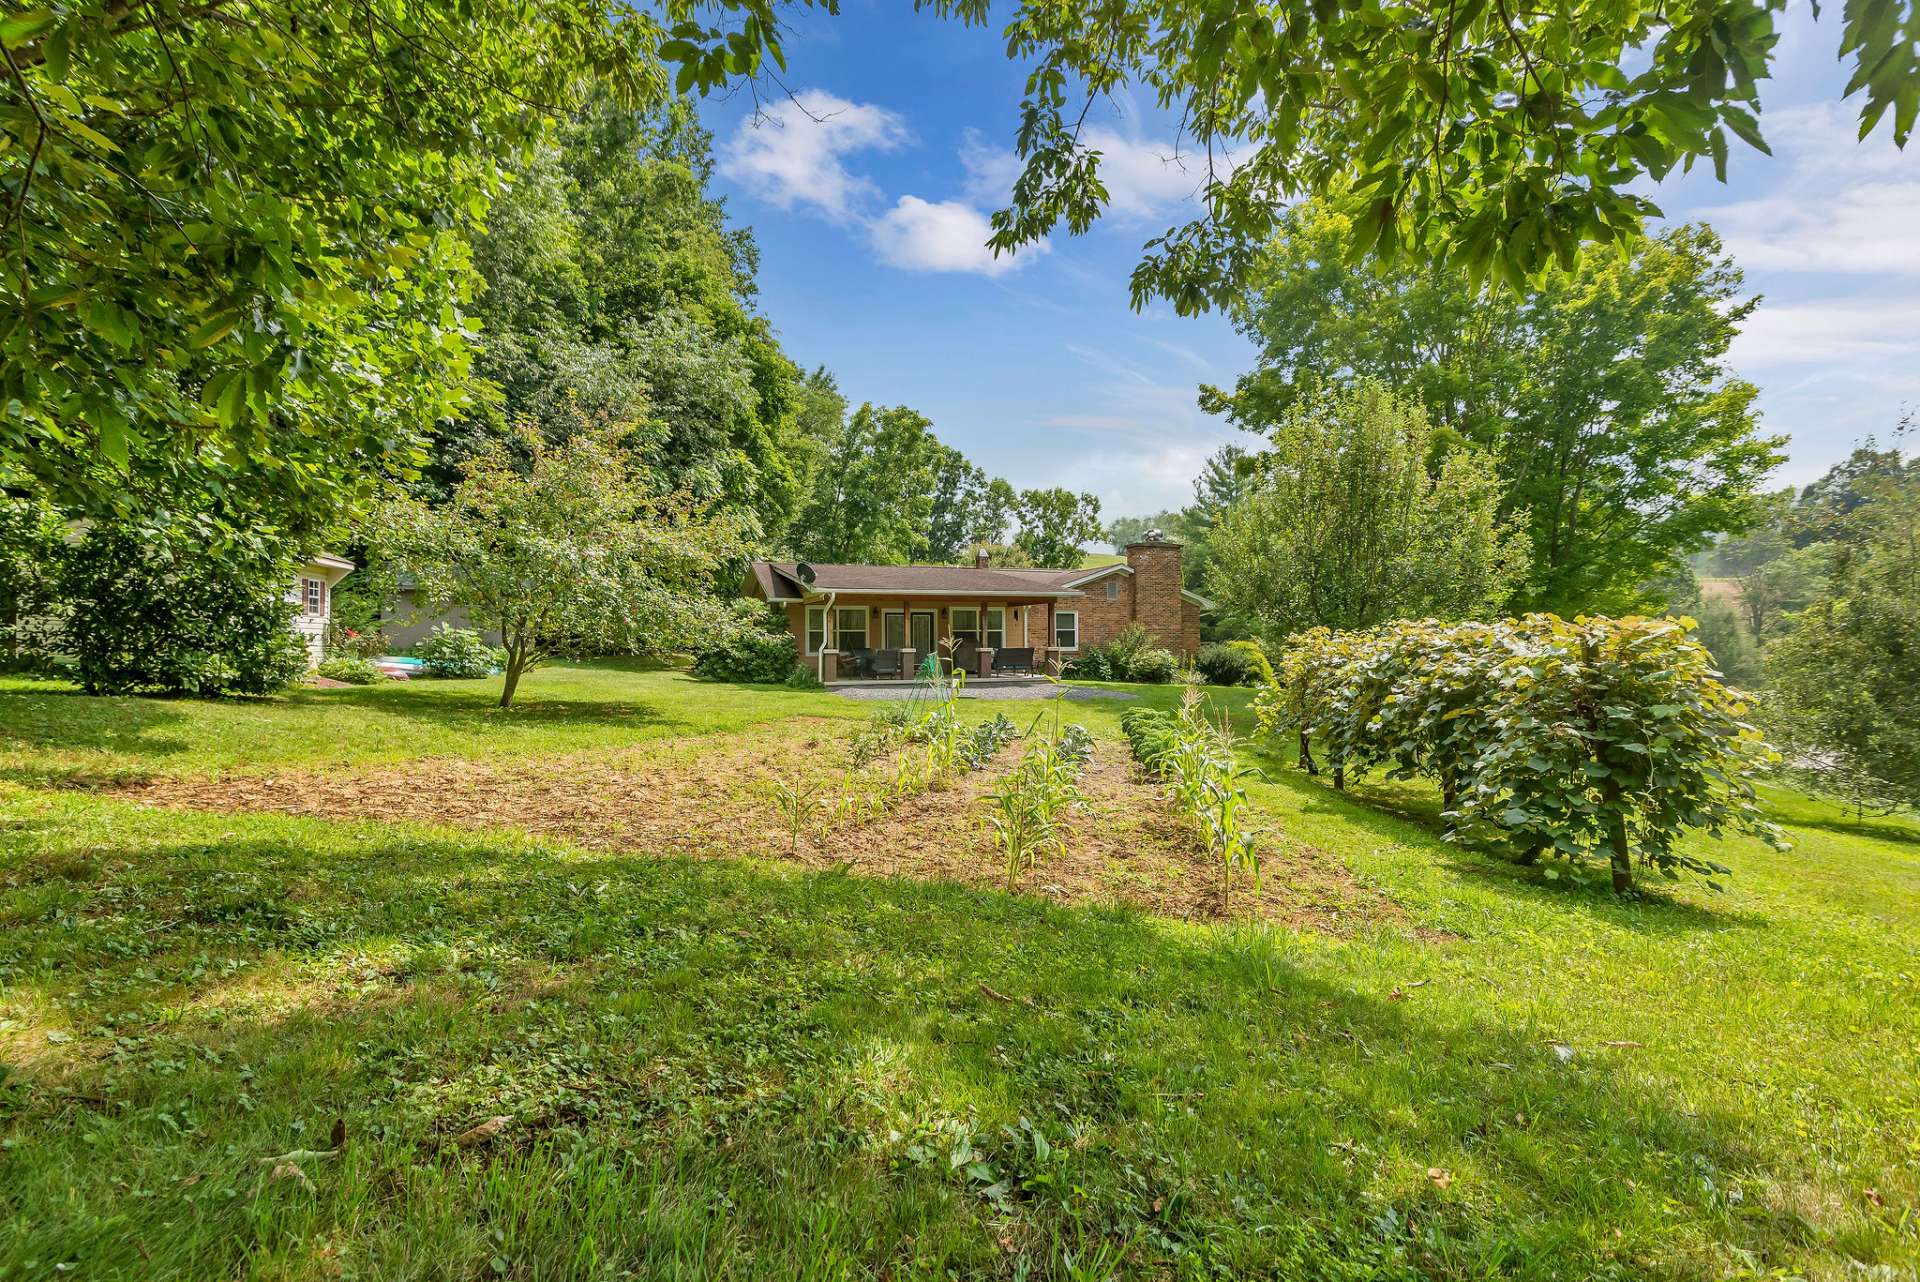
[(743, 1069)]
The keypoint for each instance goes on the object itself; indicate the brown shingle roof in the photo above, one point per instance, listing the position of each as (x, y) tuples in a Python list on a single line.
[(780, 579)]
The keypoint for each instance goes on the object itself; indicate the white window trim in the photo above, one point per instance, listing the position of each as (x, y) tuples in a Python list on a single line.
[(1113, 589), (820, 610), (988, 628), (313, 596), (1058, 615), (886, 618)]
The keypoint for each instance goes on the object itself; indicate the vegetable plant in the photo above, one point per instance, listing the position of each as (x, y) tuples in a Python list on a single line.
[(1193, 759)]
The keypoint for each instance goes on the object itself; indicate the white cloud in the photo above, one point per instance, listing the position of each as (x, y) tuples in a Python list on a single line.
[(1829, 331), (1864, 227), (792, 153), (1842, 205), (1144, 178), (941, 236), (990, 170)]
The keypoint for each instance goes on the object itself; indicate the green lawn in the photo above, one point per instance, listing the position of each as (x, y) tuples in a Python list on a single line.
[(742, 1068)]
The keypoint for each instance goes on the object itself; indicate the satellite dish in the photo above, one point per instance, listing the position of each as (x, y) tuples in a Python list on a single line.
[(805, 573)]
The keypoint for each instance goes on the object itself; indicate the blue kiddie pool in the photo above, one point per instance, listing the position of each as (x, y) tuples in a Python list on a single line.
[(411, 666)]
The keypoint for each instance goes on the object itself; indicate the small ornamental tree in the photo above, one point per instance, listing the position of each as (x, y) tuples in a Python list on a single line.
[(1590, 738), (565, 549)]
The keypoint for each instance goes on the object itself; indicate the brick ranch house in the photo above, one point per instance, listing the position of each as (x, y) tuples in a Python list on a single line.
[(878, 622)]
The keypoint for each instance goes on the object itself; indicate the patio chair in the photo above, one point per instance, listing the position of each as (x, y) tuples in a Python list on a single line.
[(885, 665), (1017, 659), (857, 664), (966, 655)]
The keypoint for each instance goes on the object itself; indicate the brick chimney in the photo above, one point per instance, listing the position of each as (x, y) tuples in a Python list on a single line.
[(980, 558), (1155, 562)]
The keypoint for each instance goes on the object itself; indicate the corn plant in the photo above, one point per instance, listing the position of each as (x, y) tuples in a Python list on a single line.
[(796, 803), (909, 776), (1194, 761), (1027, 814)]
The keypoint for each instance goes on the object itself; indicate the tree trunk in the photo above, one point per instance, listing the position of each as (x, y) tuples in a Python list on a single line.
[(1622, 856), (1306, 755), (1449, 798), (1339, 776), (516, 664)]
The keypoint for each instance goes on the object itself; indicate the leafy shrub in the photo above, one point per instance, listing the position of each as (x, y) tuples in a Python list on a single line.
[(33, 549), (1152, 667), (1131, 656), (1089, 665), (1593, 738), (350, 668), (801, 677), (456, 652), (754, 652), (1225, 665), (1124, 649), (148, 613), (984, 742)]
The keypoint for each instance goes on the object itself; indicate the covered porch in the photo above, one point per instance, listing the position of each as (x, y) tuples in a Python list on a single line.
[(875, 639)]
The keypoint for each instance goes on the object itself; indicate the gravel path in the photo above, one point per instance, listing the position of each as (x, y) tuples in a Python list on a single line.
[(883, 694)]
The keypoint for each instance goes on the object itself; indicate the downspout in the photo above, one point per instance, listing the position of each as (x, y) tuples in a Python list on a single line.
[(826, 639)]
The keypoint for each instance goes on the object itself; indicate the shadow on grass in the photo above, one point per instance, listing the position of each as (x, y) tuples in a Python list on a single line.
[(58, 715), (1868, 828), (764, 1072)]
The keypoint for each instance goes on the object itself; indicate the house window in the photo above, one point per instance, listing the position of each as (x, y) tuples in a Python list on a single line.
[(1066, 629), (816, 629), (996, 628), (314, 593), (964, 623), (893, 630), (1113, 589), (851, 626)]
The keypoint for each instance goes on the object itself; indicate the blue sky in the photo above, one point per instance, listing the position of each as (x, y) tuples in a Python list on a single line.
[(870, 207)]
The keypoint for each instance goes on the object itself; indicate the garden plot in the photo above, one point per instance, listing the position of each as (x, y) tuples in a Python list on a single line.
[(712, 797)]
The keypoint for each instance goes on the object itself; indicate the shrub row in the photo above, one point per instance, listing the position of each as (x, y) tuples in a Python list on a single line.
[(1591, 738)]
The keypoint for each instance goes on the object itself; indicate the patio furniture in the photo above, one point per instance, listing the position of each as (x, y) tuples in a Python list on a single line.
[(1019, 659), (885, 665), (965, 655), (856, 663)]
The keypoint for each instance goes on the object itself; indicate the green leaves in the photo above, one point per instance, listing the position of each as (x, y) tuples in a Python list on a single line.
[(1565, 736), (1495, 136), (258, 224)]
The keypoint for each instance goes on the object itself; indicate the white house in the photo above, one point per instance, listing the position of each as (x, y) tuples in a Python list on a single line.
[(313, 592)]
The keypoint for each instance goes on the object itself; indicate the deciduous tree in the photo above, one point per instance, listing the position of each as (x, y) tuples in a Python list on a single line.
[(1056, 525), (1603, 395), (1345, 525), (232, 251), (567, 548)]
